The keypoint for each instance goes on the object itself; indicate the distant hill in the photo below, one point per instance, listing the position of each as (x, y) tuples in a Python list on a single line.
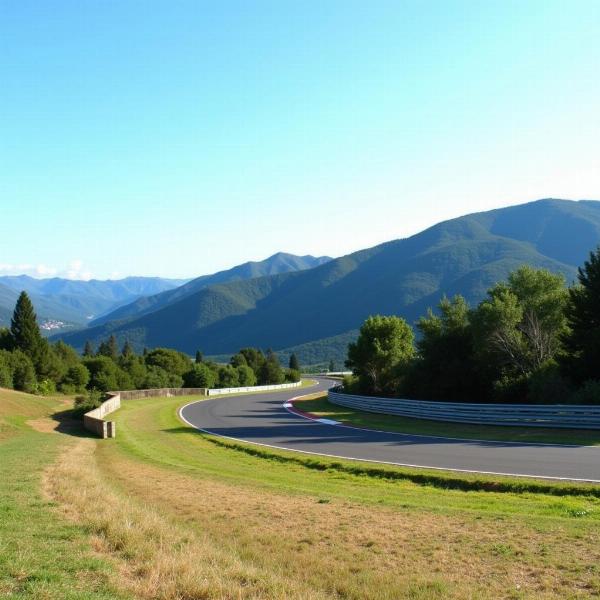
[(465, 255), (278, 263), (76, 302)]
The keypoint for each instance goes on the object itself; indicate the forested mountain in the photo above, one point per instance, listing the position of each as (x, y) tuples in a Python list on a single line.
[(465, 255), (75, 302), (278, 263)]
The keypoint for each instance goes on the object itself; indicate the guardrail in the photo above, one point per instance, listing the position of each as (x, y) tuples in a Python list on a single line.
[(570, 416)]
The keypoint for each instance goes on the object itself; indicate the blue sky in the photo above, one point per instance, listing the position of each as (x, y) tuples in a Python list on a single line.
[(177, 138)]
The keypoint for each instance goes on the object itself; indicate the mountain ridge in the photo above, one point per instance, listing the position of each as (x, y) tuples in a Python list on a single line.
[(464, 255)]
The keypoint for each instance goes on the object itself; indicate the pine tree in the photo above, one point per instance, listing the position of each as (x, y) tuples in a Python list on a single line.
[(294, 364), (109, 348), (199, 357), (582, 344), (331, 366), (127, 349), (88, 351), (24, 328)]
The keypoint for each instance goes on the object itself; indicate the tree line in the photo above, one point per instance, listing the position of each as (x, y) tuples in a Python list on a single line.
[(30, 363), (532, 339)]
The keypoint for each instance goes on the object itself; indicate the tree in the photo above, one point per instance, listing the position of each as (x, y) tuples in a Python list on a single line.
[(381, 354), (238, 360), (200, 376), (445, 368), (254, 358), (6, 339), (246, 376), (271, 372), (23, 371), (172, 361), (331, 368), (76, 379), (127, 349), (519, 326), (103, 373), (581, 361), (109, 348), (88, 350), (294, 364), (5, 370), (24, 328), (199, 357), (228, 377)]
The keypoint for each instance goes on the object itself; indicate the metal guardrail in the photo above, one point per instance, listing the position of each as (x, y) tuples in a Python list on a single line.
[(571, 416)]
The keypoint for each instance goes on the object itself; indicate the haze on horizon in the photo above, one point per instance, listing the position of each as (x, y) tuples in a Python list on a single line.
[(184, 139)]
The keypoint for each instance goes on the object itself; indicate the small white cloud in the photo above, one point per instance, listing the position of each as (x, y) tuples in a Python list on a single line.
[(75, 270)]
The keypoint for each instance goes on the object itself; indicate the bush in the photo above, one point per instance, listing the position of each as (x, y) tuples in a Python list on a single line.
[(292, 375), (47, 387), (588, 393), (5, 370), (93, 399), (547, 386), (199, 376), (75, 379), (350, 384), (246, 376), (228, 377), (24, 378), (103, 373)]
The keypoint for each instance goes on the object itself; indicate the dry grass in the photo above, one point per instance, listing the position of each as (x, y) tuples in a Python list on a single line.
[(348, 550), (156, 557)]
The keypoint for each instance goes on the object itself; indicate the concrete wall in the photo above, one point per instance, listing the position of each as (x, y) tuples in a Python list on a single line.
[(254, 388), (162, 392), (94, 419)]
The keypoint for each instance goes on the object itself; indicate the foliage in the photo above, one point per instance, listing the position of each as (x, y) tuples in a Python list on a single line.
[(23, 372), (588, 393), (581, 361), (109, 348), (84, 403), (171, 361), (294, 364), (292, 375), (381, 354), (200, 376), (103, 373), (76, 379), (5, 370), (246, 376), (270, 372), (228, 377)]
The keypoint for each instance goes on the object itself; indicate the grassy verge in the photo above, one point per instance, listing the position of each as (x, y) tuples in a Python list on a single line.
[(320, 406), (171, 513), (42, 554), (328, 528)]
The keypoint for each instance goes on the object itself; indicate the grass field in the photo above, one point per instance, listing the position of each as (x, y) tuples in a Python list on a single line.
[(318, 404), (163, 511)]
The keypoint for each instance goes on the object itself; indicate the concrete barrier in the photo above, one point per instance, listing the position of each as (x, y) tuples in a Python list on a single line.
[(253, 388), (571, 416), (93, 420)]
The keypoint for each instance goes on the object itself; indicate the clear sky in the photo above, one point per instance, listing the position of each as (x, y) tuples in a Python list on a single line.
[(176, 138)]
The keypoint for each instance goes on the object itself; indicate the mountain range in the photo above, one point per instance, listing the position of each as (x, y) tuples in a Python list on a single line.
[(316, 310), (66, 303)]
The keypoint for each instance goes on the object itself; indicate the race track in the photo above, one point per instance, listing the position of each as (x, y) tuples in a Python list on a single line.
[(261, 418)]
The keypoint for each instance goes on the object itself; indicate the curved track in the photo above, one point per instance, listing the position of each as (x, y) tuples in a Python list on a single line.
[(263, 419)]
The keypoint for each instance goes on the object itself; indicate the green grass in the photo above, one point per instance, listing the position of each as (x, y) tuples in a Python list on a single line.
[(150, 431), (323, 408), (42, 555)]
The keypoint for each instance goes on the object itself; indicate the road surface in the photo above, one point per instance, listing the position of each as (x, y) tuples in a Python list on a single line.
[(263, 419)]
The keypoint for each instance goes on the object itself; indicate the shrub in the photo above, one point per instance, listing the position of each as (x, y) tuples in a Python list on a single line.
[(199, 376), (588, 393), (292, 375), (350, 384), (93, 399), (47, 387), (24, 378), (246, 375), (75, 379), (547, 386), (228, 377), (5, 370)]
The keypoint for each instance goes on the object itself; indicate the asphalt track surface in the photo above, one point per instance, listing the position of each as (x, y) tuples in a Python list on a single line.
[(263, 419)]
